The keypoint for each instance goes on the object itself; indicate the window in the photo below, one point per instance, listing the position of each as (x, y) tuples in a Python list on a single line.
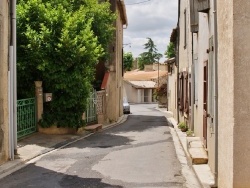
[(185, 29), (183, 100), (196, 78), (180, 93), (185, 97), (170, 69), (211, 79)]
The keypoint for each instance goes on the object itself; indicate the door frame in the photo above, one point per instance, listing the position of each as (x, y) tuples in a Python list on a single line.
[(205, 101)]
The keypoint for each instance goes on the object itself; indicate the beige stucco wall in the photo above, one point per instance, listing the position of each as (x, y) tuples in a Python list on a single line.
[(137, 95), (185, 51), (172, 95), (206, 22), (200, 55), (185, 59), (234, 98), (233, 47), (4, 132), (162, 66), (130, 92), (211, 120), (115, 84), (226, 119), (202, 47)]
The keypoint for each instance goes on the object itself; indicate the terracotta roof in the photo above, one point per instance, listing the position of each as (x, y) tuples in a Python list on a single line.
[(142, 75), (143, 84)]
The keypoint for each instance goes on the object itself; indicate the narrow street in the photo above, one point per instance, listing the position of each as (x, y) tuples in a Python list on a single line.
[(137, 153)]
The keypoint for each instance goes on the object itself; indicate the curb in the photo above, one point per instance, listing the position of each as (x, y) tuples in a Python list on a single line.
[(12, 166), (203, 173)]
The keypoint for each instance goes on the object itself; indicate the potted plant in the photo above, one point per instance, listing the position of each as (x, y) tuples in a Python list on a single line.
[(183, 126), (190, 133)]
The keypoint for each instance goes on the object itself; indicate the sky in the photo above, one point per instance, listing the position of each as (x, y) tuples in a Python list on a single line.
[(149, 18)]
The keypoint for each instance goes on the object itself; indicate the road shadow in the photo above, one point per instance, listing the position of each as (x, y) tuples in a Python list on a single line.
[(39, 177), (140, 123), (104, 140)]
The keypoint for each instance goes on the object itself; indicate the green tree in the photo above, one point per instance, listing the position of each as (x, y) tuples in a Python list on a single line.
[(128, 61), (60, 44), (151, 55), (170, 52), (140, 63)]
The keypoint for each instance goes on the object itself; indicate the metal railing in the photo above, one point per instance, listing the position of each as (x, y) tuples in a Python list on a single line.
[(91, 113), (26, 117)]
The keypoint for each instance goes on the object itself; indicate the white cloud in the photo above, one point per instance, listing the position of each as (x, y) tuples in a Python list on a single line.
[(154, 19)]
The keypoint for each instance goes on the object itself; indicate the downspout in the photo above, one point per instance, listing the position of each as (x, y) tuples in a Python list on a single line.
[(216, 91), (14, 77), (192, 84), (12, 83), (177, 61), (10, 103)]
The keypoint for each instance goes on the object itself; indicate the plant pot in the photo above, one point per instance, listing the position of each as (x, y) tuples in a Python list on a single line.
[(184, 129)]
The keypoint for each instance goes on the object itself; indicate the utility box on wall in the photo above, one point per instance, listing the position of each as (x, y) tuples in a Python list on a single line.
[(47, 97)]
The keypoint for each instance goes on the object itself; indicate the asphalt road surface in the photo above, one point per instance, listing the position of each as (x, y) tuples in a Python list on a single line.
[(138, 153)]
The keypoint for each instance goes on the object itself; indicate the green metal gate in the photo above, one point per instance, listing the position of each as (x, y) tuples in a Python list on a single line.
[(91, 116), (26, 117)]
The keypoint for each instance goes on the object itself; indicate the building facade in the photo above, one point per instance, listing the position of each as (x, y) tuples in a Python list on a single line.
[(4, 110), (140, 86), (114, 84), (233, 93), (212, 84)]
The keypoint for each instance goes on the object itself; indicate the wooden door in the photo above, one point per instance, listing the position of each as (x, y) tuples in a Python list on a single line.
[(205, 94)]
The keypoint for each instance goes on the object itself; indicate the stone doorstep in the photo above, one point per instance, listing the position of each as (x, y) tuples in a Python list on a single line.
[(196, 151), (93, 128), (205, 176)]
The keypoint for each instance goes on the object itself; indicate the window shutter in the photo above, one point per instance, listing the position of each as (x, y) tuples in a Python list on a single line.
[(180, 99), (170, 69), (194, 16), (203, 6), (205, 85), (185, 88)]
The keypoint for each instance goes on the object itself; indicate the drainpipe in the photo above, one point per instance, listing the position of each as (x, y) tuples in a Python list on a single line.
[(14, 79), (10, 105), (12, 83), (192, 85), (216, 91), (177, 61)]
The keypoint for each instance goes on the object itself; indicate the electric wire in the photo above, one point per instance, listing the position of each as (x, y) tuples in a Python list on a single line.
[(138, 2)]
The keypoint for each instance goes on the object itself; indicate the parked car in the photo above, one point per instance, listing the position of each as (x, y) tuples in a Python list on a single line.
[(126, 106)]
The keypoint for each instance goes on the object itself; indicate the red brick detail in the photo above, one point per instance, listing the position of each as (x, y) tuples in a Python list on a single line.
[(105, 80)]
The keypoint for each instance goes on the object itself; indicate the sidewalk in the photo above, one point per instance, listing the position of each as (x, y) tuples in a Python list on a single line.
[(38, 144), (203, 172)]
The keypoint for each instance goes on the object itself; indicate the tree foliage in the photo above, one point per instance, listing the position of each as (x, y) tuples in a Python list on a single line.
[(170, 52), (59, 42), (140, 63), (128, 61), (150, 56)]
